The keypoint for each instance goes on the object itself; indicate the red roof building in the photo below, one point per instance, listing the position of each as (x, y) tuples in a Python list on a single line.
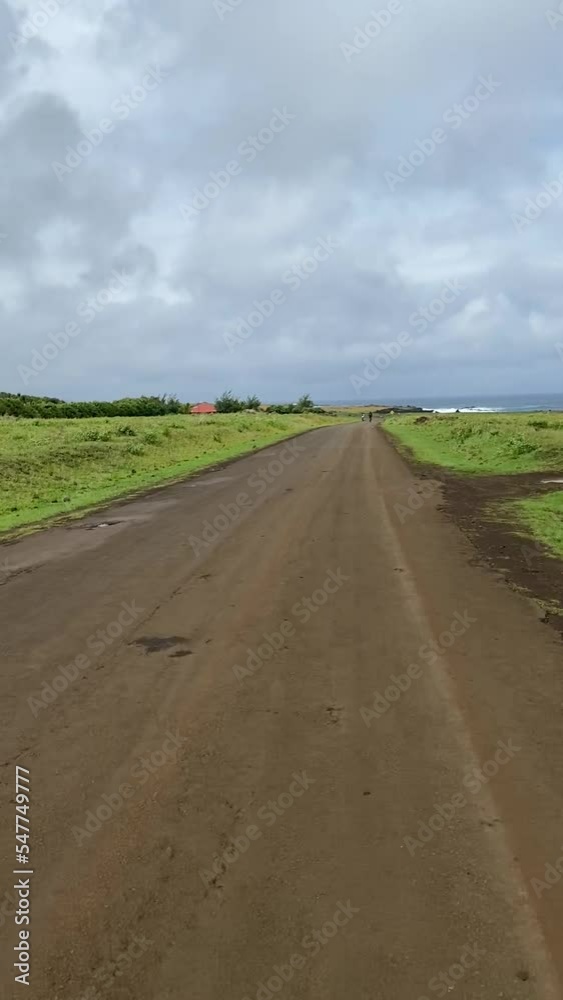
[(203, 408)]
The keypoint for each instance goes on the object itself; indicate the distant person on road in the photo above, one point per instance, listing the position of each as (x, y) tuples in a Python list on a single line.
[(370, 416), (363, 418)]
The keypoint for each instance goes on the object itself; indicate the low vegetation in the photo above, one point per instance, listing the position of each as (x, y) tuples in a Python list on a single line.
[(496, 444), (540, 517), (51, 408), (483, 443), (228, 403), (51, 467)]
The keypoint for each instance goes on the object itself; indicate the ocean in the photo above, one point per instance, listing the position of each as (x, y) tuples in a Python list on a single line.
[(467, 404)]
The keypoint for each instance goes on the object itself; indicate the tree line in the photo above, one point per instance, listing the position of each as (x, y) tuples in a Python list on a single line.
[(228, 403), (51, 408)]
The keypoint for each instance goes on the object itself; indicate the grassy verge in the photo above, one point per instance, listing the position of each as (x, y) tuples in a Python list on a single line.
[(53, 467), (539, 517), (496, 444), (481, 443)]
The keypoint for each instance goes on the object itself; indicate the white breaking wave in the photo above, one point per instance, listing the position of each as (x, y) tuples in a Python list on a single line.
[(469, 409)]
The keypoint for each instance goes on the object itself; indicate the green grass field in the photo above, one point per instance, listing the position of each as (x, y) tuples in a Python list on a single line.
[(499, 444), (539, 517), (485, 444), (53, 467)]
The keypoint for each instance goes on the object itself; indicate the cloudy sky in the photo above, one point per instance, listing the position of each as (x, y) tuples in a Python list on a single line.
[(169, 165)]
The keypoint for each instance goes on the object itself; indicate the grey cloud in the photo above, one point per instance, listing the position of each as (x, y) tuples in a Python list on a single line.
[(191, 279)]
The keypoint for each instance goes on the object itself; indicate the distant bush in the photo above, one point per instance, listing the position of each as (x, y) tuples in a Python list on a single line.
[(251, 403), (283, 408), (96, 435), (227, 403), (49, 408), (522, 448), (305, 403)]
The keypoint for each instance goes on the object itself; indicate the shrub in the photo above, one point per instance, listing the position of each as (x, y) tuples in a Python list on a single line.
[(227, 403)]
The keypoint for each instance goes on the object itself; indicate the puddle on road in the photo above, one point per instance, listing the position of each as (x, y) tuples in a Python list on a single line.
[(85, 533), (159, 643), (89, 531), (93, 527)]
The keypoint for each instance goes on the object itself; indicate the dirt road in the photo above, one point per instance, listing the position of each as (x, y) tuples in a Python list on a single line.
[(285, 737)]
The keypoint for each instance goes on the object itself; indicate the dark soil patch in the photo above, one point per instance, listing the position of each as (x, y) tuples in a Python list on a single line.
[(157, 643), (524, 562)]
